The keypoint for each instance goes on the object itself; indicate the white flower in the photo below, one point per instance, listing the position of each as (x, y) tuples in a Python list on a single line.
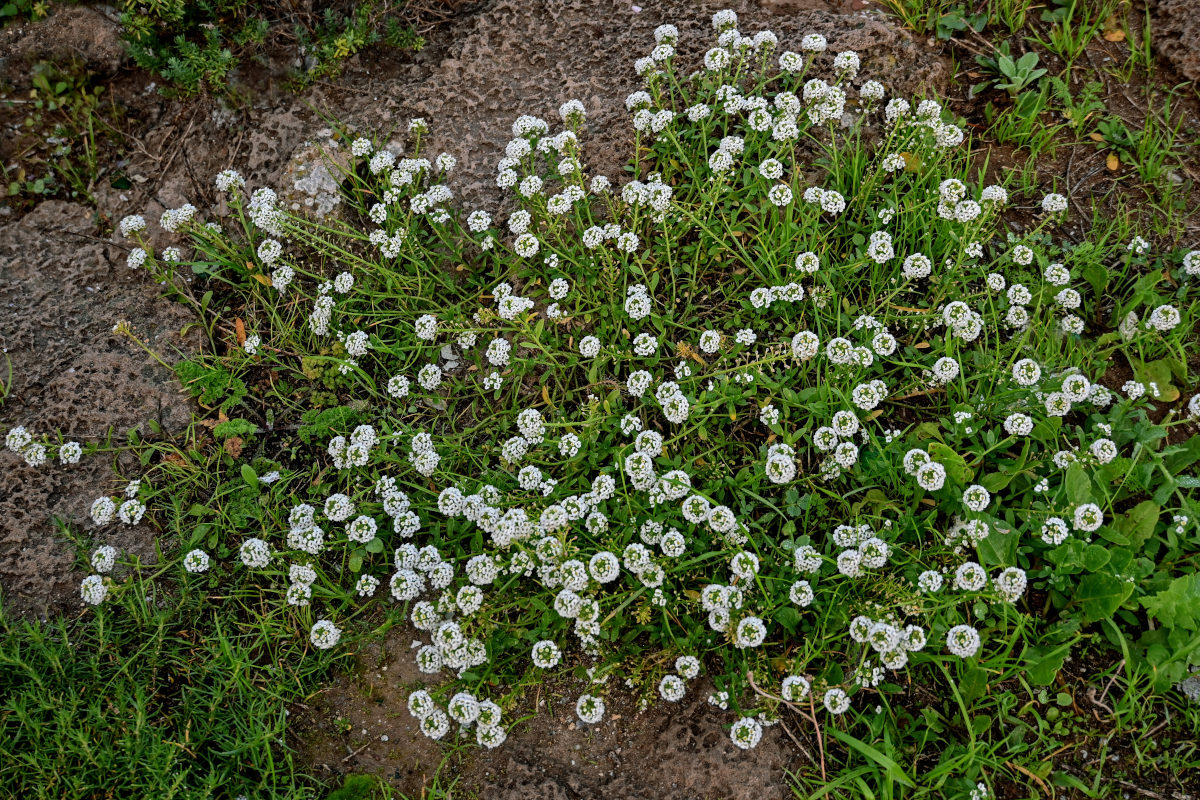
[(1088, 517), (93, 590), (430, 377), (672, 688), (255, 553), (426, 327), (589, 708), (929, 582), (836, 701), (1054, 203), (103, 511), (688, 667), (196, 561), (746, 733), (130, 512), (324, 634), (963, 641), (104, 558)]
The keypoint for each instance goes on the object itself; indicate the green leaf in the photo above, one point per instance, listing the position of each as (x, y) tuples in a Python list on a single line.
[(894, 771), (1095, 557), (234, 427), (1179, 457), (1137, 524), (998, 549), (1078, 485), (995, 481), (973, 684), (356, 562), (956, 465), (788, 617), (1099, 595), (1178, 605), (1043, 663), (375, 545), (1097, 276), (249, 476)]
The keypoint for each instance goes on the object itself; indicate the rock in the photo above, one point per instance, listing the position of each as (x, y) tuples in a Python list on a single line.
[(73, 32), (312, 176), (61, 291), (1175, 28)]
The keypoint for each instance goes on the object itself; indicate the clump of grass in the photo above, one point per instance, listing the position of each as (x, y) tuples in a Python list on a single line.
[(161, 693), (791, 408)]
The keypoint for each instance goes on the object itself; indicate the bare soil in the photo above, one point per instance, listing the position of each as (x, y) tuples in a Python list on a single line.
[(681, 752)]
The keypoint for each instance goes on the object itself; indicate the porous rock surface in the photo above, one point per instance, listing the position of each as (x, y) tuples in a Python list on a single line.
[(61, 292), (1175, 31), (518, 57)]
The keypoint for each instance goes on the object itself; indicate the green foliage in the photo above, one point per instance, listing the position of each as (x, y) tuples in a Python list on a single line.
[(158, 695), (210, 382), (1087, 450), (15, 10), (946, 18), (195, 45), (1011, 75), (70, 121), (1110, 583), (355, 787), (324, 424), (234, 427)]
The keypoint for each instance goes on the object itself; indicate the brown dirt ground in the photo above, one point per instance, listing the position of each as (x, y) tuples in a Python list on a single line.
[(361, 724), (63, 283)]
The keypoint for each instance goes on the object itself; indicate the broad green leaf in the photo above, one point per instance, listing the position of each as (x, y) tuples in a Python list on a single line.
[(995, 481), (1079, 486), (1043, 663), (1099, 595), (1137, 524), (956, 465), (249, 476), (1095, 557), (788, 617), (998, 549)]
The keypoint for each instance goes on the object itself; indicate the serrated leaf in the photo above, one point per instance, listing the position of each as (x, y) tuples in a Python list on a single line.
[(1178, 605)]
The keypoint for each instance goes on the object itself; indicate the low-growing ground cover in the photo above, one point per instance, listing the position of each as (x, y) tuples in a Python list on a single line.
[(794, 409)]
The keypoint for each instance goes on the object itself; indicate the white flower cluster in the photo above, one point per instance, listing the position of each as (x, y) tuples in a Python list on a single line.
[(615, 476)]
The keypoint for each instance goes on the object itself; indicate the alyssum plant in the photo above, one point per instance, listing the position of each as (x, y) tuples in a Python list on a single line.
[(789, 407)]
